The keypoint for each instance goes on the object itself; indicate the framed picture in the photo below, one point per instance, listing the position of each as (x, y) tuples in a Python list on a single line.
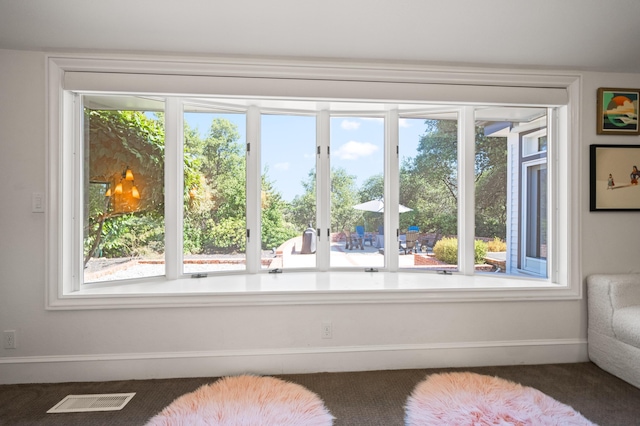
[(615, 177), (618, 111)]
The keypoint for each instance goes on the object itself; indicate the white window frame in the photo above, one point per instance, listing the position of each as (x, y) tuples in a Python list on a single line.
[(532, 139), (529, 265), (270, 78)]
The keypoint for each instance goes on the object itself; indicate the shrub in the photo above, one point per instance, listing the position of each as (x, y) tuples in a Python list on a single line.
[(480, 248), (446, 250), (496, 245)]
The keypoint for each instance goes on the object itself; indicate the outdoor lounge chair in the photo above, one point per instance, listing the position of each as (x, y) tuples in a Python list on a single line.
[(410, 241), (427, 242), (365, 237), (352, 241)]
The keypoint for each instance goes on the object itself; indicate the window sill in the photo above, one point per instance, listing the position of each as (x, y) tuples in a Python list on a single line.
[(311, 288)]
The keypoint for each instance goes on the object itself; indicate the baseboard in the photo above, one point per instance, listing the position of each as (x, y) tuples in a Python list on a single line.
[(108, 367)]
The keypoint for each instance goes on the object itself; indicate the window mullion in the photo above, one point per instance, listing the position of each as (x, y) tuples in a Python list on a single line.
[(553, 201), (323, 189), (76, 127), (253, 190), (173, 183), (391, 189), (466, 190)]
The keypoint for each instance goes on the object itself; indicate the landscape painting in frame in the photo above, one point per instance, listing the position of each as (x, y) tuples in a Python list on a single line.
[(618, 111), (615, 177)]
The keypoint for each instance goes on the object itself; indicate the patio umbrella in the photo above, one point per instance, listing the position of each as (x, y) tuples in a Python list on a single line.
[(377, 206)]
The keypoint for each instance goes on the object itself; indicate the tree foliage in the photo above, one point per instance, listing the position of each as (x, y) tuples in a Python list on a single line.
[(215, 181), (429, 182), (117, 140), (344, 195)]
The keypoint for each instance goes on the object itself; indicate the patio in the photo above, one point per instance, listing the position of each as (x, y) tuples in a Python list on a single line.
[(288, 256)]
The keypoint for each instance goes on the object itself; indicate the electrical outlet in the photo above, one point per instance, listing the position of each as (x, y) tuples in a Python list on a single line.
[(9, 339), (327, 330)]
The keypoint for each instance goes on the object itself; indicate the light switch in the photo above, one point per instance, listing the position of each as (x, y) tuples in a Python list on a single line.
[(37, 202)]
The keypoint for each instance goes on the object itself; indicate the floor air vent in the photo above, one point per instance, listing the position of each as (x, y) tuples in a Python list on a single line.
[(85, 403)]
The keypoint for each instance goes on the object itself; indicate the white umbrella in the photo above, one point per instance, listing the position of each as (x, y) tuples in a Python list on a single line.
[(377, 206)]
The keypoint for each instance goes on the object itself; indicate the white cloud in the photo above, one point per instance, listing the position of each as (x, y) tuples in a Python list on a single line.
[(403, 122), (281, 166), (353, 150), (350, 125)]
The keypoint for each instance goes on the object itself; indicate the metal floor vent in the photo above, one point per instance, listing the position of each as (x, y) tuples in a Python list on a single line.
[(95, 402)]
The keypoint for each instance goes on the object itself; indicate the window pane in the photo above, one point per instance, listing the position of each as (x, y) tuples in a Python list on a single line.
[(214, 235), (428, 187), (357, 176), (123, 188), (536, 229), (288, 195), (511, 190)]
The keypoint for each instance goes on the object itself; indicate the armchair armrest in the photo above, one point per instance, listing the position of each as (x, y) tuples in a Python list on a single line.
[(605, 294)]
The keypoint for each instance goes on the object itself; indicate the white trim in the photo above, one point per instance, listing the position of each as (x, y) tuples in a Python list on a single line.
[(253, 176), (173, 184), (312, 79), (302, 288), (466, 190), (102, 367), (392, 198), (323, 189), (313, 89)]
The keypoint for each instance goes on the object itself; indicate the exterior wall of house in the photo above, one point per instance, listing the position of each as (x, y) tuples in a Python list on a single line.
[(115, 344)]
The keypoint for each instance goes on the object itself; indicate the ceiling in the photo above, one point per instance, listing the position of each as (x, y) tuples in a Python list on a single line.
[(593, 35)]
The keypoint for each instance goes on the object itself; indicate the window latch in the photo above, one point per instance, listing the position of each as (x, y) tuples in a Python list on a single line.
[(275, 271), (444, 272), (198, 275), (371, 270)]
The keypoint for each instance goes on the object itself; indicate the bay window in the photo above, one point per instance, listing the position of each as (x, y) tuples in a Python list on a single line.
[(224, 178)]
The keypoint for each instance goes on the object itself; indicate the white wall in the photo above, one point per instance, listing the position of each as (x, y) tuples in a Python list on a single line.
[(117, 344)]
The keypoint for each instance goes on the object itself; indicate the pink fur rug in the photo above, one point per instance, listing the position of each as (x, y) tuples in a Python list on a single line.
[(469, 399), (246, 401)]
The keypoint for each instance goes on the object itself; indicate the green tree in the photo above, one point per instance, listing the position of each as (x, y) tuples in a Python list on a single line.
[(491, 186), (118, 139), (429, 182), (344, 195), (215, 195), (432, 185), (275, 227), (215, 219), (303, 207), (372, 189)]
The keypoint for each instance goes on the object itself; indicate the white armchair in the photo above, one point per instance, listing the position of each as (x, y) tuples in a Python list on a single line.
[(614, 324)]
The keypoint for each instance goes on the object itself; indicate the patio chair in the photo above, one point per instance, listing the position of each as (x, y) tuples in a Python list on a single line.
[(352, 241), (410, 241), (427, 242), (364, 236)]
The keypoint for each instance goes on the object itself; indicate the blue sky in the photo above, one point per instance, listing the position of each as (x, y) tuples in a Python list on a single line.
[(289, 145)]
